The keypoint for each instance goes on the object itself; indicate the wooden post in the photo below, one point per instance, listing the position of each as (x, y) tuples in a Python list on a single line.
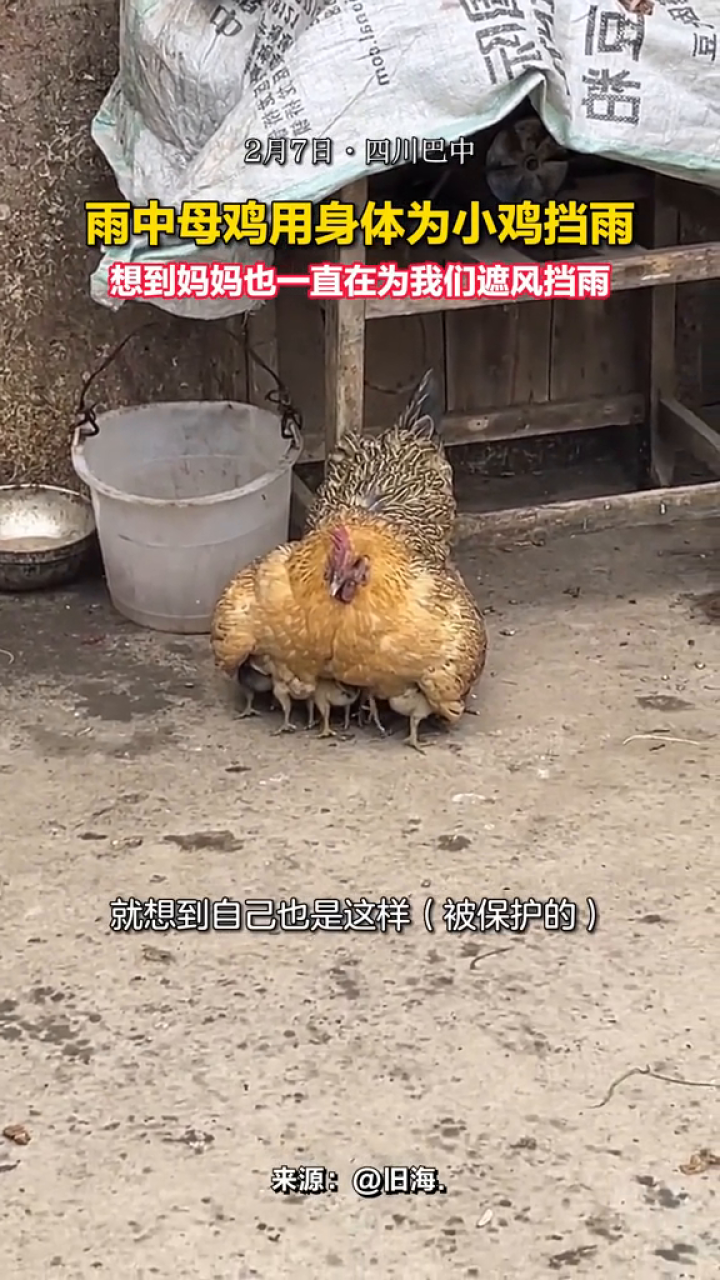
[(661, 357), (345, 343)]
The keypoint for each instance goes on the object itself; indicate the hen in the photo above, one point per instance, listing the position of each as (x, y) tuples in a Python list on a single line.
[(401, 475), (354, 604)]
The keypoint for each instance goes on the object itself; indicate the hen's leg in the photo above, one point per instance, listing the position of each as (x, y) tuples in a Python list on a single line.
[(310, 704), (412, 738), (248, 709), (346, 722), (285, 701)]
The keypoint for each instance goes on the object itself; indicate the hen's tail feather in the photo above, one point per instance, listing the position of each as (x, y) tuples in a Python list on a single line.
[(423, 412), (346, 448)]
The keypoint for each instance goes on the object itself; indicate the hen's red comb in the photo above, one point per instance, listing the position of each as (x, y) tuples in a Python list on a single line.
[(340, 540)]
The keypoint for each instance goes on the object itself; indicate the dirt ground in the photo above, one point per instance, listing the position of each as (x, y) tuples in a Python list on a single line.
[(162, 1077)]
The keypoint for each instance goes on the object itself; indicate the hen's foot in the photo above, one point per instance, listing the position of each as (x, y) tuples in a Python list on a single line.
[(247, 711)]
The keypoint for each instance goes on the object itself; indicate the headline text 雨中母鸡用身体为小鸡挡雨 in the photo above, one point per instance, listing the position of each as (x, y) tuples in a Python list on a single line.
[(301, 223)]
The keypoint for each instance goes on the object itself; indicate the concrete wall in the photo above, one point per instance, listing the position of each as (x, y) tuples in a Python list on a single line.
[(57, 58)]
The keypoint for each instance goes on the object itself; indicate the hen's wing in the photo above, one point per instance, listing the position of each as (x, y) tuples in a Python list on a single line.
[(462, 651), (233, 632), (292, 618), (418, 628), (253, 606)]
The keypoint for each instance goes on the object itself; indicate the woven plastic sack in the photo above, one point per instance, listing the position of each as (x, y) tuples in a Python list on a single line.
[(202, 87)]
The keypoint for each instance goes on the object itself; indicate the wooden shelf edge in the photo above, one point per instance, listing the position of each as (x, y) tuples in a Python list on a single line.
[(592, 515), (682, 430), (523, 421), (634, 270)]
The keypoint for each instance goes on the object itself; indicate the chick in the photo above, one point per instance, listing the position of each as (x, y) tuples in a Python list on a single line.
[(253, 677), (369, 707), (413, 704), (329, 694), (288, 690)]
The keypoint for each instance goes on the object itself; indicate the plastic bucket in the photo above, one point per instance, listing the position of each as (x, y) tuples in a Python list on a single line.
[(185, 495)]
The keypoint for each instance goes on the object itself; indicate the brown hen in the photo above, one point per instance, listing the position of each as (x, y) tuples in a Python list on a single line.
[(355, 605)]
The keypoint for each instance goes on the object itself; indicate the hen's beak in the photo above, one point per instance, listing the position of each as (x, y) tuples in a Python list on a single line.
[(335, 585)]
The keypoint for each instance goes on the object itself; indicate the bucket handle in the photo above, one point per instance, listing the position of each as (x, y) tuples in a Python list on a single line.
[(291, 422), (86, 423)]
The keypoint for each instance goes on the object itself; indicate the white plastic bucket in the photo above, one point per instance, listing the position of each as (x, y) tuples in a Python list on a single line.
[(185, 495)]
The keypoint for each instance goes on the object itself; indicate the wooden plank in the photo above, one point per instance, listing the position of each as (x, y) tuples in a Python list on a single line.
[(695, 200), (591, 515), (686, 432), (521, 421), (527, 420), (698, 325), (397, 354), (595, 347), (262, 339), (631, 270), (661, 343), (704, 309), (345, 342), (300, 325), (694, 323), (626, 184), (499, 358), (300, 501), (693, 318)]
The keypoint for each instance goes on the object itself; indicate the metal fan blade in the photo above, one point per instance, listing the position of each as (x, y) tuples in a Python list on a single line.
[(525, 163)]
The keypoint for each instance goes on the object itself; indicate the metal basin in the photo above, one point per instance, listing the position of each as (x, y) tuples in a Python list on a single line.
[(46, 535)]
